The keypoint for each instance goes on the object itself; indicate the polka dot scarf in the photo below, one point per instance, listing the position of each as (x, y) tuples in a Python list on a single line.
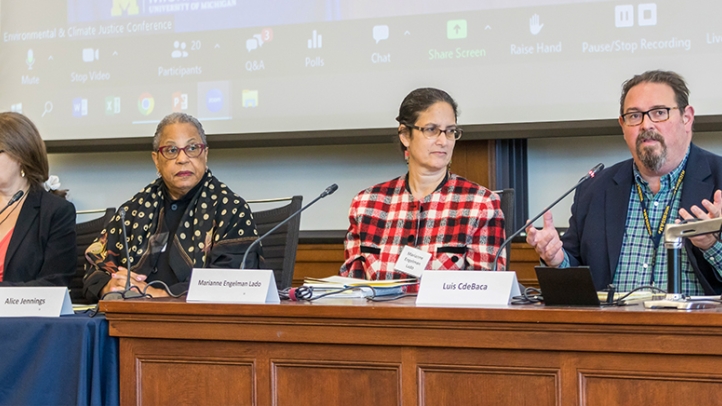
[(216, 222)]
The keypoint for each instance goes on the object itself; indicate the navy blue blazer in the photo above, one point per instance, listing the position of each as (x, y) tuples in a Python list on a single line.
[(599, 214), (42, 248)]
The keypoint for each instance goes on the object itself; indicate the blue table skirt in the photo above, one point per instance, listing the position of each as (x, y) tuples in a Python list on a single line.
[(69, 360)]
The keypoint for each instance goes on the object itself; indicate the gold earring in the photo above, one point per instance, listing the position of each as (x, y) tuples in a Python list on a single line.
[(22, 173)]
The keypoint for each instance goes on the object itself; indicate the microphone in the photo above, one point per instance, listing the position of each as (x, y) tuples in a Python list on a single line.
[(127, 293), (30, 60), (592, 173), (12, 200), (329, 190)]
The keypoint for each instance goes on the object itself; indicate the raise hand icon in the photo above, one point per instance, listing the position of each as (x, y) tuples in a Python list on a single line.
[(534, 26)]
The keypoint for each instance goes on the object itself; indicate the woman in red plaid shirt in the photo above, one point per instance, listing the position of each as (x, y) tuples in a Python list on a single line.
[(457, 221)]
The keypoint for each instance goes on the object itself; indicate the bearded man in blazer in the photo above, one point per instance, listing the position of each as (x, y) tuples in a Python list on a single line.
[(618, 217)]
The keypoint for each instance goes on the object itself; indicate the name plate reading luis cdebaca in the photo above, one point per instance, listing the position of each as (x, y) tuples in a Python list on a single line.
[(36, 301), (232, 286), (467, 288)]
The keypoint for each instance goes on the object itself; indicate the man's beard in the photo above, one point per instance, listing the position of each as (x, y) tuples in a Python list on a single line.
[(651, 160)]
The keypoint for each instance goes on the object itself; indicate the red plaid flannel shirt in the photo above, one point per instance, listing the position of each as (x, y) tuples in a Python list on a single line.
[(461, 224)]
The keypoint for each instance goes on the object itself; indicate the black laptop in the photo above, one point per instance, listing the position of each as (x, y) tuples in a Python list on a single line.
[(567, 286)]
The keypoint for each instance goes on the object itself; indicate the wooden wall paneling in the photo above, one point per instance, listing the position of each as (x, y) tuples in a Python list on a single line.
[(523, 262), (315, 382), (647, 379), (359, 353), (474, 160), (488, 377), (317, 261)]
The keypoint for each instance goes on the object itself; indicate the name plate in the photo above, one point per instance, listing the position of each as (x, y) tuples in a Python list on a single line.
[(412, 261), (467, 288), (36, 301), (232, 286)]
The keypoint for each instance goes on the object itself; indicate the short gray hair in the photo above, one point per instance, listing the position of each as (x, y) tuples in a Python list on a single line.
[(177, 118)]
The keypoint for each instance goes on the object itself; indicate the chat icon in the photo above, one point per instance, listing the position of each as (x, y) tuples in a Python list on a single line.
[(251, 44), (381, 32)]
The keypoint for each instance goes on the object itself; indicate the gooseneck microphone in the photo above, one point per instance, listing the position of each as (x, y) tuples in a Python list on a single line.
[(127, 293), (12, 200), (329, 190), (592, 173)]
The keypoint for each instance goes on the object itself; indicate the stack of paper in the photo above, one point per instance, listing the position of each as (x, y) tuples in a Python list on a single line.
[(333, 286)]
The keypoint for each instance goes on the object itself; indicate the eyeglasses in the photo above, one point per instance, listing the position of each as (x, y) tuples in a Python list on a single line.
[(657, 115), (172, 151), (433, 131)]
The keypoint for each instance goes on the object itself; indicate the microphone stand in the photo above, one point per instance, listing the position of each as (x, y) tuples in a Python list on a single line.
[(592, 173), (673, 242), (329, 190), (128, 292)]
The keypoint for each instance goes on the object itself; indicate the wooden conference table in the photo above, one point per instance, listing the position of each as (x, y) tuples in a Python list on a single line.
[(350, 352)]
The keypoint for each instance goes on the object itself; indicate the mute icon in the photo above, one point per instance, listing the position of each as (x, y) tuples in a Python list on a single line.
[(30, 59)]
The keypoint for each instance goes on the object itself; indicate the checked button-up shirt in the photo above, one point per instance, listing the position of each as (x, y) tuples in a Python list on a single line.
[(461, 224)]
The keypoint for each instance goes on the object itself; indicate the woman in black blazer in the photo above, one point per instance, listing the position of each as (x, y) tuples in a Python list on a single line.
[(37, 228)]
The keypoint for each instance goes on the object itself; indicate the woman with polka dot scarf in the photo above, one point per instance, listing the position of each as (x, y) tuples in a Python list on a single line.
[(185, 219)]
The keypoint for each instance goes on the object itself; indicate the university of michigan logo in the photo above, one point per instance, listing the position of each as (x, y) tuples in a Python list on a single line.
[(129, 6)]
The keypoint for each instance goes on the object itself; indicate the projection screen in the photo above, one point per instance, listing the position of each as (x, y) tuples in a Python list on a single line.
[(95, 69)]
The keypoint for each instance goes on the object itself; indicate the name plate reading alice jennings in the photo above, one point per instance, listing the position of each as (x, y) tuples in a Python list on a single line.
[(232, 286), (36, 301), (467, 288)]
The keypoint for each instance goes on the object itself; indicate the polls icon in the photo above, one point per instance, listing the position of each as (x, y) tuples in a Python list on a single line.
[(316, 40)]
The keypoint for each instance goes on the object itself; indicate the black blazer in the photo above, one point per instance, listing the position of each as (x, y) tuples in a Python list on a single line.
[(42, 248), (599, 214)]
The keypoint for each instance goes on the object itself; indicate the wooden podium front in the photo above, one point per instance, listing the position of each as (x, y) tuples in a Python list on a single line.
[(349, 353)]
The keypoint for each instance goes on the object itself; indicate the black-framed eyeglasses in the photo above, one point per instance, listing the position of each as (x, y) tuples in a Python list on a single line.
[(191, 150), (657, 115), (433, 131)]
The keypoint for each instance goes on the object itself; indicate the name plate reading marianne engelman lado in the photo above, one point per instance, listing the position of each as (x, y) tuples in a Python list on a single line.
[(467, 288), (232, 286), (36, 301)]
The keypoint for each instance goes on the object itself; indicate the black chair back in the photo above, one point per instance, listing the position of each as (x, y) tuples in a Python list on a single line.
[(279, 248), (86, 233)]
